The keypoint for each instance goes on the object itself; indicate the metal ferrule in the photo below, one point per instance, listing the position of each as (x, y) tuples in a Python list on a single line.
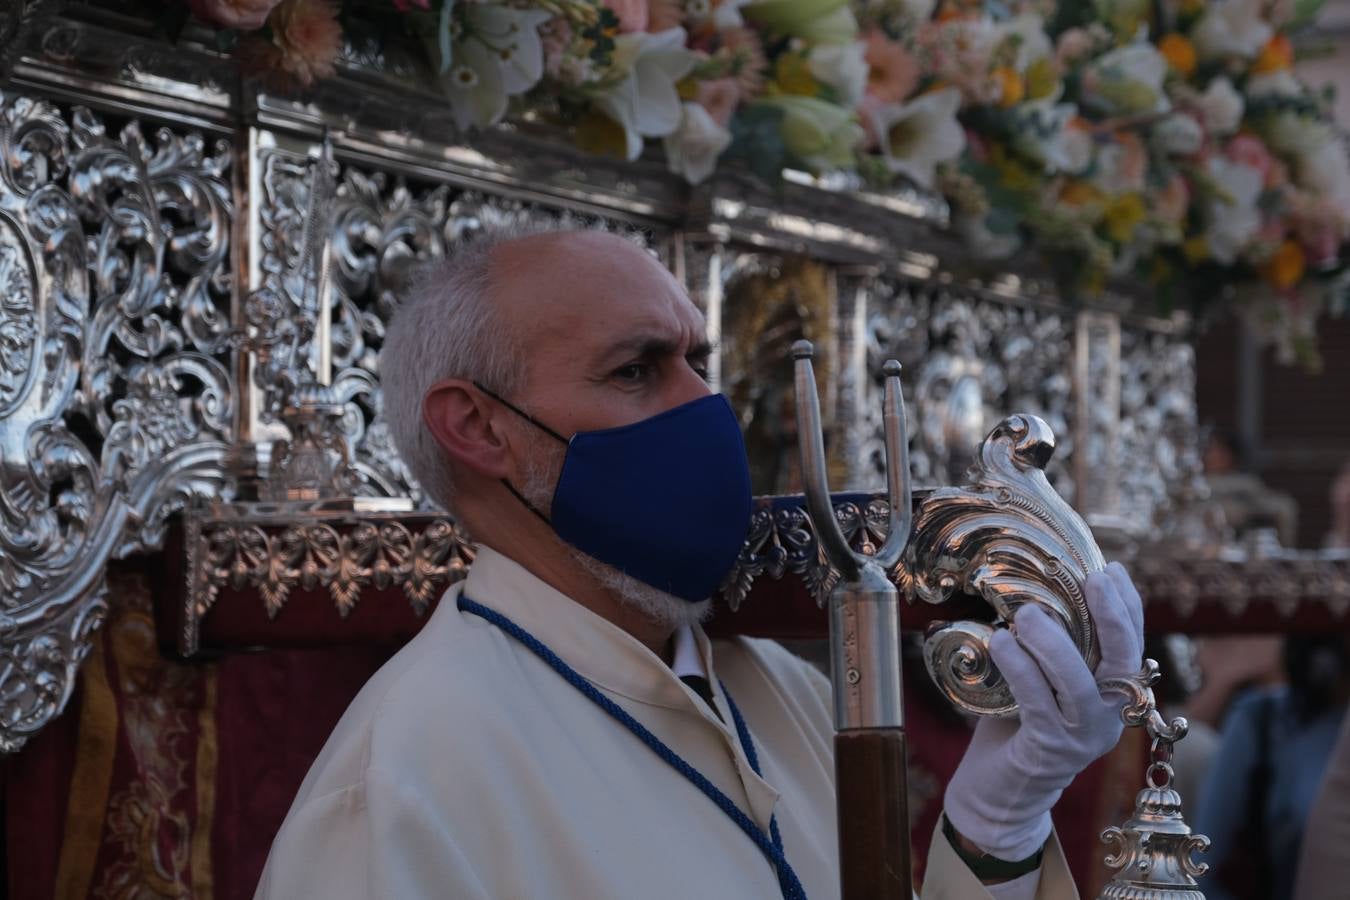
[(865, 652)]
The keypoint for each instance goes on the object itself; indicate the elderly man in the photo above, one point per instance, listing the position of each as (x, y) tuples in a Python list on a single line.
[(562, 728)]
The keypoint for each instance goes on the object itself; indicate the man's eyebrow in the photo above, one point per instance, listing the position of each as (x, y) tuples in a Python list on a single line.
[(652, 346)]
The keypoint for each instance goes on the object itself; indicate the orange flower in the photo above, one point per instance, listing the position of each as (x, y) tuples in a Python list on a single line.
[(892, 71), (1179, 53), (1285, 267), (1011, 89), (306, 38), (1277, 54), (1079, 193)]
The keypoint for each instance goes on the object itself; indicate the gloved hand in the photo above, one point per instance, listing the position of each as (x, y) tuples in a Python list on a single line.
[(1015, 769)]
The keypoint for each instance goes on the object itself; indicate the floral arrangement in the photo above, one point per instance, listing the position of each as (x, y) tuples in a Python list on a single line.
[(1163, 141)]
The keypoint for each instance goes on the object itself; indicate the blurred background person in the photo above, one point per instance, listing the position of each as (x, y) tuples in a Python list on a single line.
[(1260, 786)]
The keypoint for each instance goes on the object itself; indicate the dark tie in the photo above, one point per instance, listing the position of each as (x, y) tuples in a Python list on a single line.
[(699, 685)]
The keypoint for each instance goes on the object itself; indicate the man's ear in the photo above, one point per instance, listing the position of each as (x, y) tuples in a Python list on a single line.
[(459, 419)]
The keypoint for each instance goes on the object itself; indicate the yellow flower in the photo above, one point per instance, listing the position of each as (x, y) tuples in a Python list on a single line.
[(1010, 86), (1179, 52), (687, 88), (1123, 215), (792, 75), (1196, 249), (1011, 173), (598, 133), (1285, 267), (1042, 79), (1276, 55)]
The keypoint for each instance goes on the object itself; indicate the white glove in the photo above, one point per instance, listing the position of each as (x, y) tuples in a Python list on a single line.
[(1015, 769)]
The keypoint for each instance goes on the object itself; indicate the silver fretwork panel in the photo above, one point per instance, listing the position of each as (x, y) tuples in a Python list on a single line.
[(968, 358), (116, 396), (1159, 450), (383, 225)]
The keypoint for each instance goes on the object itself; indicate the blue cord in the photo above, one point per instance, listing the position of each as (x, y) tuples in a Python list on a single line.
[(771, 847)]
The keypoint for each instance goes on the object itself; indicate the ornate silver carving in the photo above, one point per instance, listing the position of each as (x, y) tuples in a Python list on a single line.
[(273, 550), (1008, 539), (115, 392), (970, 352)]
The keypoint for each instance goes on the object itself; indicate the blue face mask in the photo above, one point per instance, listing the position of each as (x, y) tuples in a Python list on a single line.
[(665, 500)]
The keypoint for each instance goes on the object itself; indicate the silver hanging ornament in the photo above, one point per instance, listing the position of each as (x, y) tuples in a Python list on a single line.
[(1154, 851)]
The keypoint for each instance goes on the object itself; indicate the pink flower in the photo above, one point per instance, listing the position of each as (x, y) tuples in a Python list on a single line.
[(245, 15), (1170, 204), (664, 14), (1073, 45), (892, 71), (306, 38), (1320, 226), (632, 14), (720, 97), (1251, 151), (555, 36), (1122, 164), (742, 48)]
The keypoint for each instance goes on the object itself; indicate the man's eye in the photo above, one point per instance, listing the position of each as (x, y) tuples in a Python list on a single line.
[(632, 372)]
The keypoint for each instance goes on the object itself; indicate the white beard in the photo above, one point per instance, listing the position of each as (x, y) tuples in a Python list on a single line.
[(655, 604)]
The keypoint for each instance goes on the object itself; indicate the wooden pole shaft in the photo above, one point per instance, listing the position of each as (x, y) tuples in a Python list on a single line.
[(873, 808)]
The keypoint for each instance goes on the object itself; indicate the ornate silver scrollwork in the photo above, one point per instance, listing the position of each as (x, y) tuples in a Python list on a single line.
[(274, 550), (1008, 539), (115, 392)]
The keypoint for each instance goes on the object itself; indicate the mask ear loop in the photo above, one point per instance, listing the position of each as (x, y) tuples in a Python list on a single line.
[(520, 412), (537, 424)]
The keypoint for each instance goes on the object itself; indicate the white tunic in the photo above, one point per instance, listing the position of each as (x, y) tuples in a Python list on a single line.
[(467, 768)]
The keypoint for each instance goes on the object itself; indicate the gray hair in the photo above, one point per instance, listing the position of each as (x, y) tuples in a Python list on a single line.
[(446, 326)]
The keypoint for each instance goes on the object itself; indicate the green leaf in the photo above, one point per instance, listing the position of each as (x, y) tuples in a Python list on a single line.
[(756, 141)]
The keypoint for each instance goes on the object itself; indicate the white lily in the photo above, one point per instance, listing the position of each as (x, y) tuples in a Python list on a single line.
[(1032, 41), (1041, 132), (644, 101), (1221, 107), (1127, 80), (1231, 216), (1280, 83), (1326, 171), (1178, 135), (1318, 153), (822, 135), (842, 67), (1231, 28), (918, 135), (693, 148), (498, 55)]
